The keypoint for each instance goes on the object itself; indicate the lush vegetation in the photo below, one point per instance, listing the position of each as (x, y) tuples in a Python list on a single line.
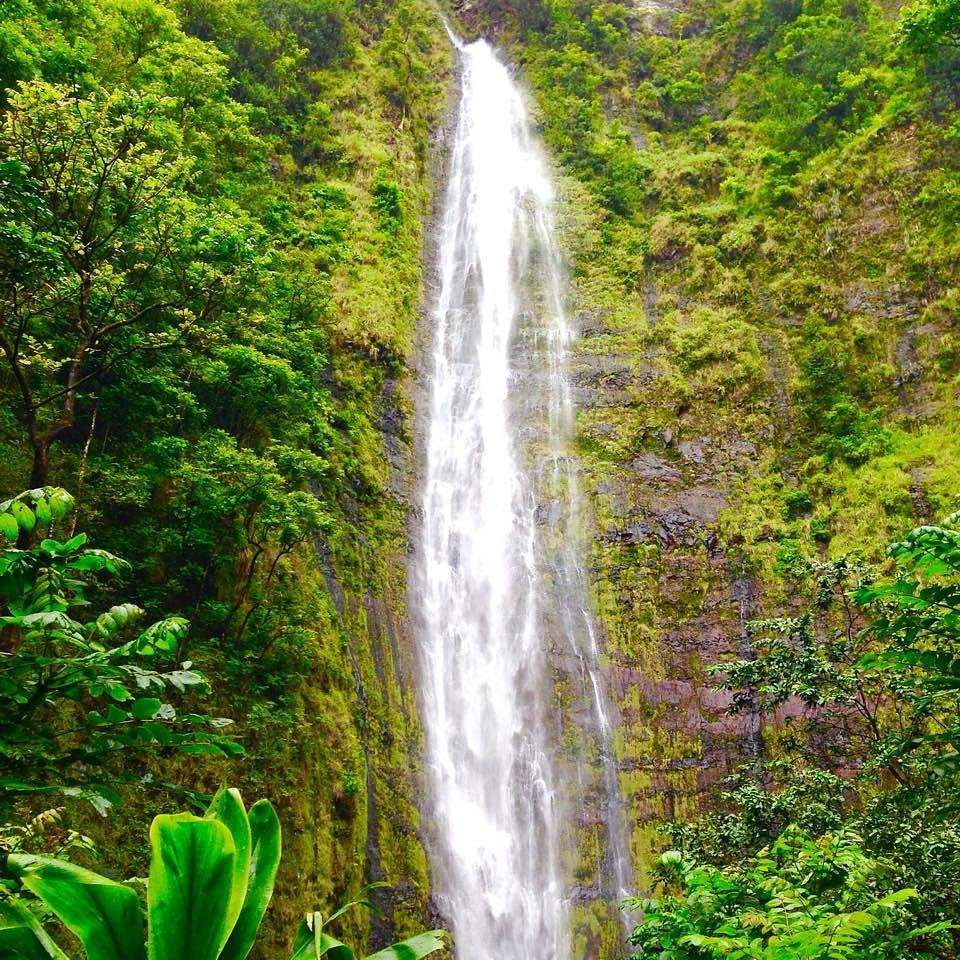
[(78, 702), (211, 220), (211, 242), (210, 883), (759, 200), (798, 862)]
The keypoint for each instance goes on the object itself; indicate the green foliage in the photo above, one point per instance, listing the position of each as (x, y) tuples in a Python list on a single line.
[(927, 27), (799, 897), (874, 661), (103, 914), (843, 430), (79, 701), (211, 879), (211, 217), (756, 805), (915, 634), (386, 204), (97, 276), (313, 942), (868, 644), (763, 296)]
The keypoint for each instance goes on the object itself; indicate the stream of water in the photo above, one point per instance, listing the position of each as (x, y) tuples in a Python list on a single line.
[(499, 579)]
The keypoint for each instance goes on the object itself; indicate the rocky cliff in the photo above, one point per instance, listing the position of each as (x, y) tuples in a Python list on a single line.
[(757, 200)]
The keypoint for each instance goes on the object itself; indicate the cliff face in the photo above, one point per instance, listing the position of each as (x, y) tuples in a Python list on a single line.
[(763, 266), (765, 292), (755, 204), (341, 757)]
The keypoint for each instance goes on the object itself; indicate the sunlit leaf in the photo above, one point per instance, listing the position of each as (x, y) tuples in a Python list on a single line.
[(102, 914), (190, 887)]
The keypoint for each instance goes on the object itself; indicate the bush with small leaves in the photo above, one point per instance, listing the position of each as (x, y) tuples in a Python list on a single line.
[(79, 698), (800, 897)]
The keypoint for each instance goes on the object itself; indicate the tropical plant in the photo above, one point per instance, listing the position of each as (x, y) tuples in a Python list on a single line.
[(915, 632), (98, 227), (75, 694), (210, 883), (877, 659), (875, 662), (800, 897)]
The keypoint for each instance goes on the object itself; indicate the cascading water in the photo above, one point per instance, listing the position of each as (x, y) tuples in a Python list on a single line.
[(498, 394)]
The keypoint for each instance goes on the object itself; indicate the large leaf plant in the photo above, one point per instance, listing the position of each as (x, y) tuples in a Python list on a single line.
[(211, 879)]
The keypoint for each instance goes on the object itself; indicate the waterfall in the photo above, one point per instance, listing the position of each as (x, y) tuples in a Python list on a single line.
[(494, 599)]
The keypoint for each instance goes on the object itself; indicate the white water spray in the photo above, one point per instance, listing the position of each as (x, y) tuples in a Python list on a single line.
[(492, 740)]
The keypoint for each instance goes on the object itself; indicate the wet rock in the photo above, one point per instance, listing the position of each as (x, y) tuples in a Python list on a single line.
[(648, 466), (671, 528), (694, 451), (599, 372), (908, 361), (548, 514), (887, 301), (604, 429), (656, 16), (591, 323), (704, 504)]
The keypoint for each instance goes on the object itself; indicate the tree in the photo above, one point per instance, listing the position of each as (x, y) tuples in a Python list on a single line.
[(105, 254), (915, 633), (876, 661), (930, 26)]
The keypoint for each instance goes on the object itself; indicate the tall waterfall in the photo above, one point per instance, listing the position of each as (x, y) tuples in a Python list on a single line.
[(494, 599)]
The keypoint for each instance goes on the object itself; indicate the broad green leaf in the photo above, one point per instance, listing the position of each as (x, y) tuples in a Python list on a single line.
[(102, 914), (164, 635), (24, 515), (44, 513), (61, 502), (227, 808), (22, 937), (412, 948), (190, 887), (116, 618), (145, 708), (264, 860), (898, 896), (9, 527)]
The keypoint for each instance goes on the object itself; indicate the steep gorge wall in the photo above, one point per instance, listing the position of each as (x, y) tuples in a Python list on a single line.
[(721, 287), (343, 763), (767, 314)]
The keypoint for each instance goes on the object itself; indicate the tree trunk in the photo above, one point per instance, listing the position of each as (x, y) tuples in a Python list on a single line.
[(41, 463)]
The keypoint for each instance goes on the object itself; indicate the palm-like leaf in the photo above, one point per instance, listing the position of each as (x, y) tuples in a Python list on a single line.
[(102, 914), (22, 937), (190, 888), (227, 808), (264, 861), (412, 948), (313, 944)]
